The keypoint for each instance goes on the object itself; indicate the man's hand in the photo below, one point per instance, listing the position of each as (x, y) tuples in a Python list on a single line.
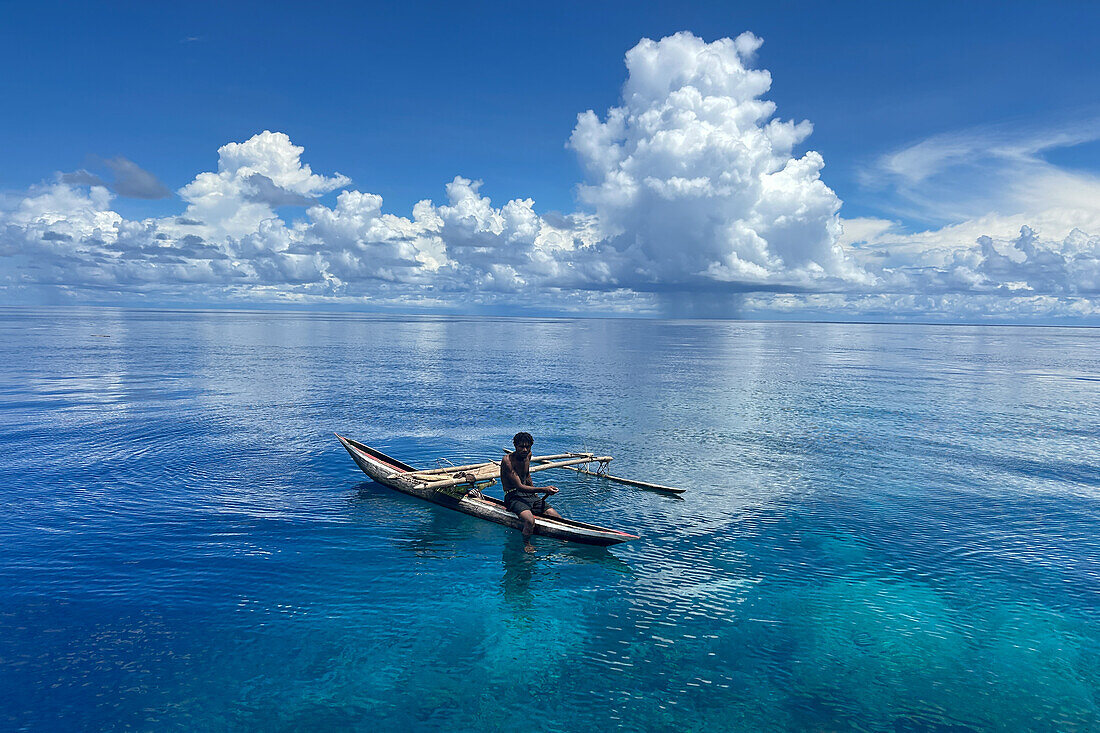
[(550, 490)]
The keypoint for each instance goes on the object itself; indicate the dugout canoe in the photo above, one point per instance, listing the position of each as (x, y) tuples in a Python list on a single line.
[(452, 492)]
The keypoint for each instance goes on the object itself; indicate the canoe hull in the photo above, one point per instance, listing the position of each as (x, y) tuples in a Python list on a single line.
[(389, 472)]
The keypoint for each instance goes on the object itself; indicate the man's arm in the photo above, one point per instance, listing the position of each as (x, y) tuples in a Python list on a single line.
[(506, 465)]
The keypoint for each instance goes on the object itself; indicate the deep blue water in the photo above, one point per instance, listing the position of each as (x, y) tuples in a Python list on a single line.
[(886, 527)]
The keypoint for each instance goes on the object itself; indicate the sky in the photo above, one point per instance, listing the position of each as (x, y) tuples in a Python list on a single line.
[(809, 161)]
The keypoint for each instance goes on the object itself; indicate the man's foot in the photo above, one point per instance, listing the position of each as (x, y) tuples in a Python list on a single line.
[(528, 548)]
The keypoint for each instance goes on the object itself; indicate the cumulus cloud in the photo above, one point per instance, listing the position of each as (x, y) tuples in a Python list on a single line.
[(1026, 265), (260, 188), (252, 179), (694, 184), (947, 274), (1015, 240), (696, 200)]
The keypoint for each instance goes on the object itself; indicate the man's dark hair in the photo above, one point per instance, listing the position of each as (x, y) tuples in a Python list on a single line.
[(522, 439)]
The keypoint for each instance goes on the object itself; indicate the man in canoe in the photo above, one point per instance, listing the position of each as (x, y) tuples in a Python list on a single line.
[(521, 496)]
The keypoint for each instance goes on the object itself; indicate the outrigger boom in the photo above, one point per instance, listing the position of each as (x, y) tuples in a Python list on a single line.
[(600, 472), (491, 470)]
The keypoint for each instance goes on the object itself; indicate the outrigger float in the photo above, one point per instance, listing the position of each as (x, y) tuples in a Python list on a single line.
[(460, 488)]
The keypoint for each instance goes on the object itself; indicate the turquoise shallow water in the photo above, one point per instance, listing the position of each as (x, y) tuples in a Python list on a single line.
[(886, 527)]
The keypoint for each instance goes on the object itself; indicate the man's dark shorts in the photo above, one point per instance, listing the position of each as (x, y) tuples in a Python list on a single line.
[(517, 503)]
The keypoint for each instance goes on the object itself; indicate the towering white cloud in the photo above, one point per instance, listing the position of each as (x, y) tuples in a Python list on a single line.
[(693, 182), (695, 200), (253, 177)]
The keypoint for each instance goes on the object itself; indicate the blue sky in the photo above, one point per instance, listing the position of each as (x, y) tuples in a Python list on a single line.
[(933, 124)]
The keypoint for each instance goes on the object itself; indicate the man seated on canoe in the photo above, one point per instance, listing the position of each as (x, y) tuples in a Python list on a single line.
[(521, 496)]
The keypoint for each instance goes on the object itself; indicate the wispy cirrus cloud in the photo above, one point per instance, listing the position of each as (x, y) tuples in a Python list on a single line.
[(1018, 144), (988, 171)]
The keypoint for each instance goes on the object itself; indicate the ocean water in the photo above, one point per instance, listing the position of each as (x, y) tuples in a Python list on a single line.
[(886, 527)]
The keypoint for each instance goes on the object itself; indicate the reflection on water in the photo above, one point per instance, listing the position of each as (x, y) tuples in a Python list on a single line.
[(550, 558), (515, 584), (886, 527)]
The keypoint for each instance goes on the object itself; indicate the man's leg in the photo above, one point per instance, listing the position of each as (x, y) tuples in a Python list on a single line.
[(545, 510), (528, 518)]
